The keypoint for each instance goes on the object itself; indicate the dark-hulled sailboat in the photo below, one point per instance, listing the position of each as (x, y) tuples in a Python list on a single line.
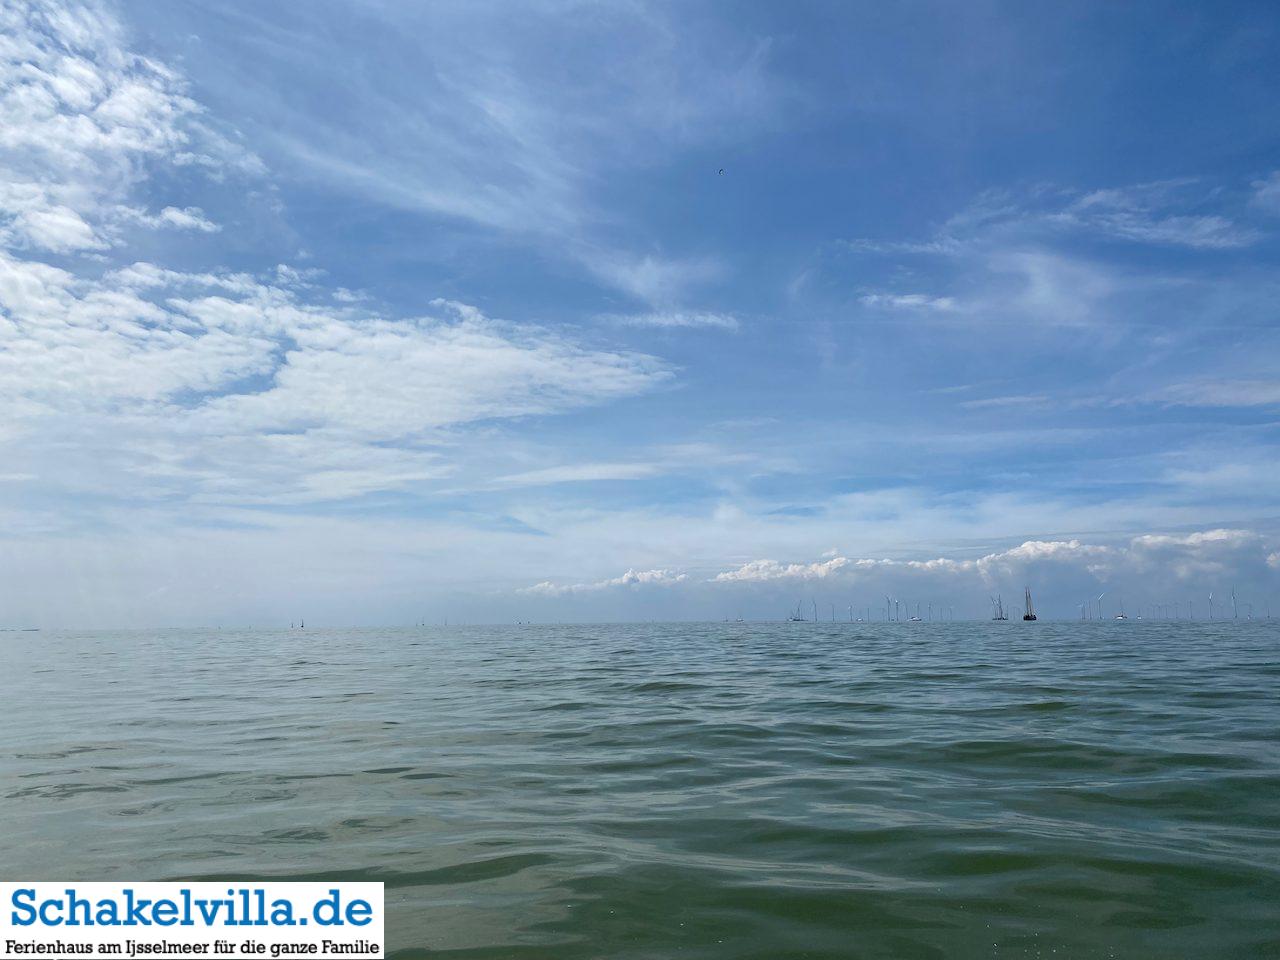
[(1031, 611)]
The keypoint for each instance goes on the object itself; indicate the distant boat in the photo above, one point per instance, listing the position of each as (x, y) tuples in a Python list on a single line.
[(796, 617), (1120, 615), (997, 604), (1031, 611)]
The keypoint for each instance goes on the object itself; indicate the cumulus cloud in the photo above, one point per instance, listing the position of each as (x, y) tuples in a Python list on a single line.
[(1204, 538), (1183, 554), (1204, 553), (761, 570), (1058, 568), (632, 578)]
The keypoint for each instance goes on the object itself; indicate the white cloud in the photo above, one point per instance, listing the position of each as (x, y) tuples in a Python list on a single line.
[(941, 245), (654, 280), (1061, 571), (32, 218), (1028, 552), (1052, 289), (580, 472), (223, 381), (1222, 393), (1207, 553), (385, 379), (1210, 232), (676, 318), (187, 218), (1200, 540), (1203, 553), (1162, 213), (1150, 213), (759, 570), (81, 119), (632, 578), (1015, 400), (214, 386), (486, 122), (908, 301), (1266, 193)]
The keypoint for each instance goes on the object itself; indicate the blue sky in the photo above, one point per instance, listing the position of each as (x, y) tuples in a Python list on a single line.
[(380, 312)]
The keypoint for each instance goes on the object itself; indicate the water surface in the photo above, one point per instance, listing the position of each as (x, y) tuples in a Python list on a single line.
[(679, 790)]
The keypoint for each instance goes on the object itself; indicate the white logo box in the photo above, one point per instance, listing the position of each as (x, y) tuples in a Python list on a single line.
[(225, 919)]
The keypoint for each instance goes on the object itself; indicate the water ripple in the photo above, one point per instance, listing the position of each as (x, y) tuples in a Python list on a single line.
[(700, 790)]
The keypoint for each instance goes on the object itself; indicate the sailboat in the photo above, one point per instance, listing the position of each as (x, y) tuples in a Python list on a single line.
[(998, 604), (796, 617), (1031, 611), (1120, 615)]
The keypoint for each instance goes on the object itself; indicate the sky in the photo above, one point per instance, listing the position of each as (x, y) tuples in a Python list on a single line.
[(385, 313)]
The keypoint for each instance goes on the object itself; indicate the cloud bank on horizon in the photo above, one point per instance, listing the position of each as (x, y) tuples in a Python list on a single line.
[(1171, 574), (387, 314)]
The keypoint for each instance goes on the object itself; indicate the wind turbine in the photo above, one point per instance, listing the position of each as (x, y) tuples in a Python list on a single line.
[(1100, 596), (1210, 604)]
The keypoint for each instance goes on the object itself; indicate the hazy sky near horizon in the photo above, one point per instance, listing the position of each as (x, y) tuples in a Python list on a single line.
[(377, 312)]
